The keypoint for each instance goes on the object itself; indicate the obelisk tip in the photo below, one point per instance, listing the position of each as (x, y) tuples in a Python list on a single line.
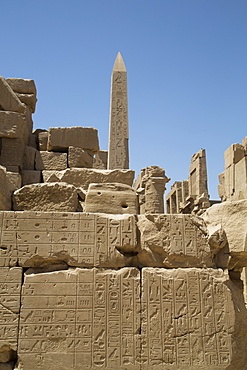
[(119, 63)]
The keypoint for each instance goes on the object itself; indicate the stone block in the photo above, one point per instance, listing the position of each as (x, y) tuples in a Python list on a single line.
[(233, 154), (51, 161), (8, 99), (28, 118), (6, 188), (12, 152), (100, 160), (46, 197), (80, 320), (28, 99), (15, 179), (32, 141), (12, 125), (77, 157), (192, 319), (51, 176), (111, 198), (244, 143), (241, 179), (10, 286), (60, 138), (20, 85), (82, 177), (46, 239), (30, 177), (29, 158), (173, 241), (231, 217), (42, 140)]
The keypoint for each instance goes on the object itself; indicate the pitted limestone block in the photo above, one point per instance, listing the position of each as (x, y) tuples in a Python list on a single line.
[(10, 286), (77, 157), (12, 125), (80, 319), (192, 319), (111, 198), (61, 138), (30, 177), (231, 217), (46, 197), (8, 99), (12, 152), (173, 241), (75, 239), (51, 161), (82, 177)]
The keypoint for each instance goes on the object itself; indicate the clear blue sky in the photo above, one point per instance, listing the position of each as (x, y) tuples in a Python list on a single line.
[(186, 62)]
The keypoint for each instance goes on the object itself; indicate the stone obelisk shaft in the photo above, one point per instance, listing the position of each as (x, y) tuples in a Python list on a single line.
[(118, 148)]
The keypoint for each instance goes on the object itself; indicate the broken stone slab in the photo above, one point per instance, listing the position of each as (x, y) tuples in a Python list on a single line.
[(46, 197), (232, 218), (10, 286), (100, 308), (111, 198), (45, 239), (8, 99), (51, 161), (173, 241), (77, 157), (192, 319), (29, 99), (12, 125), (61, 138), (20, 85), (30, 177), (82, 177), (12, 152)]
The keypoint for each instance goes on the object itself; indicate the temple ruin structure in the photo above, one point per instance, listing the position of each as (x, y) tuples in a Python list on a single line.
[(93, 273)]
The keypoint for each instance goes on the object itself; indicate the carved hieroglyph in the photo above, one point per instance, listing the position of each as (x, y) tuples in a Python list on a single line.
[(39, 239), (118, 150), (10, 287), (80, 319), (189, 320)]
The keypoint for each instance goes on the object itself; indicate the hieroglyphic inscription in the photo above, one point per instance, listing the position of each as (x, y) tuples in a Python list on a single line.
[(79, 239), (118, 152), (187, 318), (10, 286), (90, 316)]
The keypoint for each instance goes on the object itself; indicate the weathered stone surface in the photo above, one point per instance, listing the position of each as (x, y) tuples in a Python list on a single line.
[(83, 319), (12, 152), (44, 239), (82, 177), (173, 241), (8, 99), (29, 158), (60, 138), (12, 125), (51, 161), (77, 157), (6, 188), (150, 186), (10, 286), (118, 148), (233, 154), (112, 198), (20, 85), (232, 218), (100, 160), (46, 197), (28, 99), (15, 179), (28, 117), (192, 319), (32, 141), (30, 177), (42, 140)]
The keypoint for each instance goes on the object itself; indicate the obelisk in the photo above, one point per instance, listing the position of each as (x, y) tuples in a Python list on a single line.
[(118, 147)]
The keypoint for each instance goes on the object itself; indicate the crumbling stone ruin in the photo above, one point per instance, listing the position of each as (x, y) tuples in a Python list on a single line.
[(93, 273)]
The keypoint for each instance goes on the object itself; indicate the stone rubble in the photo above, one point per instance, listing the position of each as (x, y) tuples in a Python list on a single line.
[(93, 273)]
